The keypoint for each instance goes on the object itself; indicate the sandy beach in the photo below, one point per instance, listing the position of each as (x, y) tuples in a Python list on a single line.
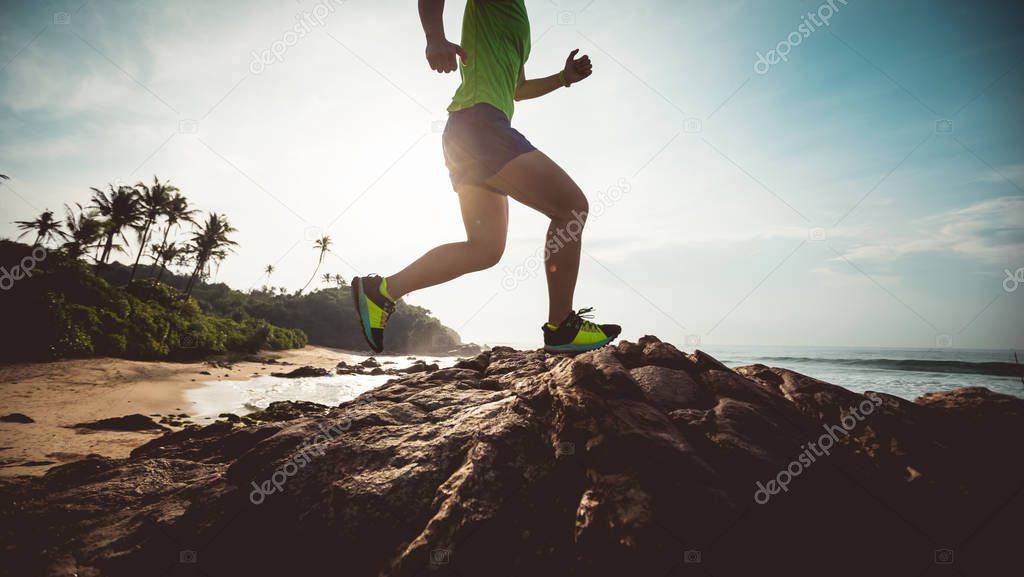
[(59, 394)]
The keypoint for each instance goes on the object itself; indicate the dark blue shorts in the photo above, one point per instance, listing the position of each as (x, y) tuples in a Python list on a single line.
[(478, 141)]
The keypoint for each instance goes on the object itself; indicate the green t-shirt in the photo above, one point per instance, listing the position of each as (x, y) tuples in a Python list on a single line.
[(496, 38)]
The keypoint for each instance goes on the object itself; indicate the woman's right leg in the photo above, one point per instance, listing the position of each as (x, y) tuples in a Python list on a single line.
[(485, 216)]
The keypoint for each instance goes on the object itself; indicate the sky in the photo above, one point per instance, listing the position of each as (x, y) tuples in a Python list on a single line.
[(760, 173)]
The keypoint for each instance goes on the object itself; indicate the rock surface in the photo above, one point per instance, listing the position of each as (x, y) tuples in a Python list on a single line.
[(302, 372), (630, 460), (134, 422), (17, 418)]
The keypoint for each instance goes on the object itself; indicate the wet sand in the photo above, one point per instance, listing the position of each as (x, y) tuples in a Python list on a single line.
[(59, 394)]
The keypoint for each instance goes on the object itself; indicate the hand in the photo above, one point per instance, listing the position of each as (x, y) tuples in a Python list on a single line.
[(577, 69), (441, 55)]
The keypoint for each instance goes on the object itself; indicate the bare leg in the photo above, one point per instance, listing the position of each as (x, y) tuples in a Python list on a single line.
[(536, 181), (485, 216)]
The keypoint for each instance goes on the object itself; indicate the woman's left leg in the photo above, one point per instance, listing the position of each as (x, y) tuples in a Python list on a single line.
[(536, 181)]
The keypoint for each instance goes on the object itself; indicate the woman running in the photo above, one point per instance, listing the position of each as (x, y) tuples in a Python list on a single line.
[(488, 161)]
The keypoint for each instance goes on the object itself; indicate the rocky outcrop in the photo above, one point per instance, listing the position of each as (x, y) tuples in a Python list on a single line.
[(630, 460), (135, 422), (371, 366), (303, 372), (17, 418)]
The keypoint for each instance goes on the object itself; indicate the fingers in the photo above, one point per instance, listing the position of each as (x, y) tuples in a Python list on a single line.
[(442, 62), (582, 67), (462, 54)]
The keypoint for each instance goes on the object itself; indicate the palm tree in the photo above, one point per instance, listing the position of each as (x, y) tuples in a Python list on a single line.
[(269, 271), (210, 244), (323, 244), (153, 202), (121, 208), (338, 280), (45, 227), (84, 228), (327, 278), (163, 254), (175, 213)]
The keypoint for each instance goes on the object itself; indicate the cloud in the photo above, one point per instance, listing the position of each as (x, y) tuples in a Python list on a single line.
[(1014, 173), (990, 230)]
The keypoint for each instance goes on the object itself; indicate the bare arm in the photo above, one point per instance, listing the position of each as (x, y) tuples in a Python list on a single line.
[(441, 54), (576, 69)]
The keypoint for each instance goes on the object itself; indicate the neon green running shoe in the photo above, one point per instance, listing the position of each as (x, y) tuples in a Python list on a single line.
[(373, 307), (577, 334)]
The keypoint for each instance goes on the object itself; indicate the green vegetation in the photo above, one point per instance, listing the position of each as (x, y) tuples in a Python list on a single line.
[(324, 315), (66, 296), (58, 307)]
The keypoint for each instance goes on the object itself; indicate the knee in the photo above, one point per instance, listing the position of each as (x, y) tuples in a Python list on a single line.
[(573, 212), (486, 255)]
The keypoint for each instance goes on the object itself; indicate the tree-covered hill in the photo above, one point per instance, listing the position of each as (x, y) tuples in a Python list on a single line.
[(56, 306), (67, 295), (326, 315)]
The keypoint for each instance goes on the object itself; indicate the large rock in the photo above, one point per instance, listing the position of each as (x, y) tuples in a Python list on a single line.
[(303, 372), (134, 422), (630, 460)]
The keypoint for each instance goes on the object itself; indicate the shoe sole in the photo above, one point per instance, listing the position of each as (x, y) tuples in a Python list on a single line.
[(577, 348), (359, 301)]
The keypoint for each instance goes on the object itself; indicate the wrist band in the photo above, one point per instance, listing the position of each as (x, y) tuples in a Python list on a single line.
[(561, 78)]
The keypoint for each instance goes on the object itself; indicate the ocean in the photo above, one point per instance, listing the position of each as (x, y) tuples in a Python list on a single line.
[(906, 373)]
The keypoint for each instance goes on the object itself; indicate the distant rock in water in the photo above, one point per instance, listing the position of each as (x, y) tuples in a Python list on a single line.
[(135, 422), (420, 366), (16, 418), (636, 459), (303, 372), (287, 411), (465, 350)]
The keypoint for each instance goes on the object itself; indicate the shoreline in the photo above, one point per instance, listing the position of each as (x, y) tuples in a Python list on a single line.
[(59, 394)]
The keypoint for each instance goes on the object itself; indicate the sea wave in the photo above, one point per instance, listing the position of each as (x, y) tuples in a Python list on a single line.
[(914, 365)]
